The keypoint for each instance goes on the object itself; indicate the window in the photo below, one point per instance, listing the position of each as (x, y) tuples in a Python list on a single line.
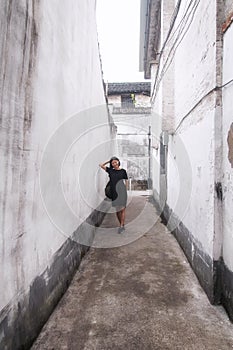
[(127, 101)]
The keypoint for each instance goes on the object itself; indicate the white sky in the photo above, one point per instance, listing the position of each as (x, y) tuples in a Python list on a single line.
[(118, 23)]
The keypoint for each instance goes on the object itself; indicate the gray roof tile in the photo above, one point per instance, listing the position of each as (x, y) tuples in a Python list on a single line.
[(119, 88)]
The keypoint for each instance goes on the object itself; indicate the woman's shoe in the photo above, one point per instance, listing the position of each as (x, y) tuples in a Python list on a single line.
[(121, 229)]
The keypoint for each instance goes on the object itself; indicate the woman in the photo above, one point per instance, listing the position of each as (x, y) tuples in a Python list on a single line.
[(118, 188)]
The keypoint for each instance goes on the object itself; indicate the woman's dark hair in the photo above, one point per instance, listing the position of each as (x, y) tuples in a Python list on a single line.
[(114, 158)]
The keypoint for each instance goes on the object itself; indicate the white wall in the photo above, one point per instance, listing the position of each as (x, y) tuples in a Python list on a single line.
[(191, 149), (156, 127), (200, 149), (191, 180), (50, 72), (227, 150), (162, 117), (114, 100), (195, 77), (142, 101), (195, 59)]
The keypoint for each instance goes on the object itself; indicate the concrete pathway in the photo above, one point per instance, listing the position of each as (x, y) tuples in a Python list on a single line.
[(139, 294)]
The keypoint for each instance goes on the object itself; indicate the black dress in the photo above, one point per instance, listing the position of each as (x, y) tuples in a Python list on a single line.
[(118, 189)]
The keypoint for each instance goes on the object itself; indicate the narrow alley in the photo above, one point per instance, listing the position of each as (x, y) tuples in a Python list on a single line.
[(138, 296), (134, 96)]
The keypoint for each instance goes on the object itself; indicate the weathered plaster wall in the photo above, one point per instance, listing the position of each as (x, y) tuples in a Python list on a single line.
[(50, 72), (195, 76), (162, 117), (156, 128), (142, 100), (167, 69), (191, 112), (191, 193), (227, 165), (198, 182), (228, 150), (114, 100)]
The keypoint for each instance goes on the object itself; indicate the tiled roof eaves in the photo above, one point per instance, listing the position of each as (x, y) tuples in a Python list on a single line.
[(116, 88)]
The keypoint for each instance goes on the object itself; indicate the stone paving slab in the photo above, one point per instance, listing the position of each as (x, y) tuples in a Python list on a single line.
[(138, 295)]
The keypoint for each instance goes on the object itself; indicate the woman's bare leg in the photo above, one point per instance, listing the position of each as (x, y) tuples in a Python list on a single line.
[(118, 213), (122, 222), (121, 218)]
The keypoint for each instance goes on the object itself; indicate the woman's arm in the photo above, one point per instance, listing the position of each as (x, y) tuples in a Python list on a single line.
[(103, 166)]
